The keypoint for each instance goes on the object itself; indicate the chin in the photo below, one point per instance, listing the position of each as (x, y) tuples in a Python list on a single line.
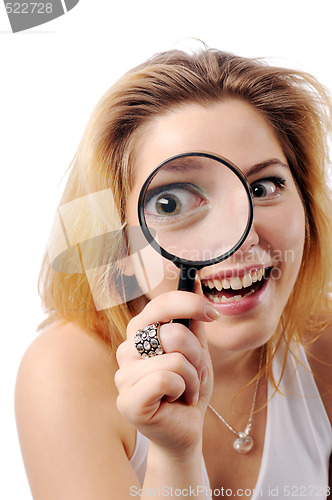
[(236, 336)]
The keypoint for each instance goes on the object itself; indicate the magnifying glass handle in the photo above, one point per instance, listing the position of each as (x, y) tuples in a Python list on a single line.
[(187, 284)]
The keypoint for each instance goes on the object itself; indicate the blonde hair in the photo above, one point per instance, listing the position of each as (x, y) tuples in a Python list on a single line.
[(294, 103)]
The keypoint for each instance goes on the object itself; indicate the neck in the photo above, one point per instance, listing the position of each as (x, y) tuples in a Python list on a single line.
[(234, 365)]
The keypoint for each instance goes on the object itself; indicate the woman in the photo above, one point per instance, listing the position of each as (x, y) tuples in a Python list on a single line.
[(96, 419)]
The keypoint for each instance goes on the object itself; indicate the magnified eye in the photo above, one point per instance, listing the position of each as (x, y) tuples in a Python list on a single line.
[(168, 204), (173, 200), (267, 188)]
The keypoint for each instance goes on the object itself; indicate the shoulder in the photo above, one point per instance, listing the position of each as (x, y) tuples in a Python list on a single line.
[(67, 356), (319, 354), (65, 403), (70, 363)]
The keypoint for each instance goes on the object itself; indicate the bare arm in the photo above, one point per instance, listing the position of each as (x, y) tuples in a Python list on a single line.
[(75, 443), (330, 477), (321, 364), (69, 428), (165, 397)]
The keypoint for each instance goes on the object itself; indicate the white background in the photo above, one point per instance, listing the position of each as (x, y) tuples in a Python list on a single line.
[(51, 78)]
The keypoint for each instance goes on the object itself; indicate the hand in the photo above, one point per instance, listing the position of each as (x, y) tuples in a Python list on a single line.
[(165, 397)]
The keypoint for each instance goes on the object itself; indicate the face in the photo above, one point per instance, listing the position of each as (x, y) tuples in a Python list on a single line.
[(252, 287)]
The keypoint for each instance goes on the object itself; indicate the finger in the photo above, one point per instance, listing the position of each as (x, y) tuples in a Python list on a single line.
[(198, 286), (141, 401), (175, 337), (171, 305), (130, 374)]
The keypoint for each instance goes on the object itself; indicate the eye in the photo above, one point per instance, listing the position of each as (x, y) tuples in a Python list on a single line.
[(267, 188), (168, 204), (173, 201)]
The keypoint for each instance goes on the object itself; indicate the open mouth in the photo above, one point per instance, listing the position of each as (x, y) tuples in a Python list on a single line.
[(234, 289)]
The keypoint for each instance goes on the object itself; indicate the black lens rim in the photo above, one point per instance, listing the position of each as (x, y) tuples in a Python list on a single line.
[(198, 264)]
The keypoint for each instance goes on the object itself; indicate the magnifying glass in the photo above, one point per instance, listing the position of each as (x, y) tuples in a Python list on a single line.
[(196, 210)]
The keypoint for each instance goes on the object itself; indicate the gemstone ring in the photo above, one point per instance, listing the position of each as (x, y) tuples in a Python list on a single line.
[(147, 341)]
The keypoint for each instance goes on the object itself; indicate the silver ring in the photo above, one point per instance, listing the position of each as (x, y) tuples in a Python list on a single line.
[(147, 341)]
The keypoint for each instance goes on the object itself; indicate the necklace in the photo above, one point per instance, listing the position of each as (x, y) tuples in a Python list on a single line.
[(244, 442)]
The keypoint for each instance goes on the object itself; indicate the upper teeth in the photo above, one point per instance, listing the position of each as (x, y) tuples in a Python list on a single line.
[(235, 283)]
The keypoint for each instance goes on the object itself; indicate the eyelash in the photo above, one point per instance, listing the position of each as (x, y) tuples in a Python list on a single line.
[(176, 185), (277, 180)]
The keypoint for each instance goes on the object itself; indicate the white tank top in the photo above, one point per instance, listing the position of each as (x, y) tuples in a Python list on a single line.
[(298, 439)]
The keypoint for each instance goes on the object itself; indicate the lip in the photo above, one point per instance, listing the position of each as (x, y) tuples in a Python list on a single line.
[(244, 305), (232, 273)]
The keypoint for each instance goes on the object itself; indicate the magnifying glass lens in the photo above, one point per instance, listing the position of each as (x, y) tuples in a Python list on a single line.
[(198, 208)]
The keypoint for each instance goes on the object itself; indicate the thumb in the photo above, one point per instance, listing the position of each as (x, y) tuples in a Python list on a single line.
[(205, 388), (197, 327), (198, 286)]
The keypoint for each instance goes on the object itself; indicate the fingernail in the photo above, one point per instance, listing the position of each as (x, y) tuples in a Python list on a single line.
[(211, 312), (195, 399), (204, 376)]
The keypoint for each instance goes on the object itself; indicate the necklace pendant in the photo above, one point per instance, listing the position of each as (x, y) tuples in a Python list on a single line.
[(243, 443)]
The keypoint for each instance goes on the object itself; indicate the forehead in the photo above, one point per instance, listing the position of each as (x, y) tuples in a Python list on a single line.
[(233, 129)]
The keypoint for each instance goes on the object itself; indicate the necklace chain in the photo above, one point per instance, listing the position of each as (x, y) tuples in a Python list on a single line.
[(248, 426)]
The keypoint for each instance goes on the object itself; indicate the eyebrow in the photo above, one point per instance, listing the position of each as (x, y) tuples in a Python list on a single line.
[(257, 167), (183, 164)]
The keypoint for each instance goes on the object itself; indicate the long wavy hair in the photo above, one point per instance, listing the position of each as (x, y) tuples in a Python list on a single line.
[(296, 106)]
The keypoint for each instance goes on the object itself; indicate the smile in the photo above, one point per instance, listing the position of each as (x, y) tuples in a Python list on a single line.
[(236, 288)]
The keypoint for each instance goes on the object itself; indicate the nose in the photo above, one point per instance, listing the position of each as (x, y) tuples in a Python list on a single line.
[(251, 240)]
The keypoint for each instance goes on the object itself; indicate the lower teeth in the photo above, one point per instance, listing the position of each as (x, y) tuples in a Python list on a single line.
[(224, 300)]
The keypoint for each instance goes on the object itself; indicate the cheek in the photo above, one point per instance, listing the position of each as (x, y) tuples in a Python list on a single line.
[(283, 231), (169, 282), (154, 274)]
